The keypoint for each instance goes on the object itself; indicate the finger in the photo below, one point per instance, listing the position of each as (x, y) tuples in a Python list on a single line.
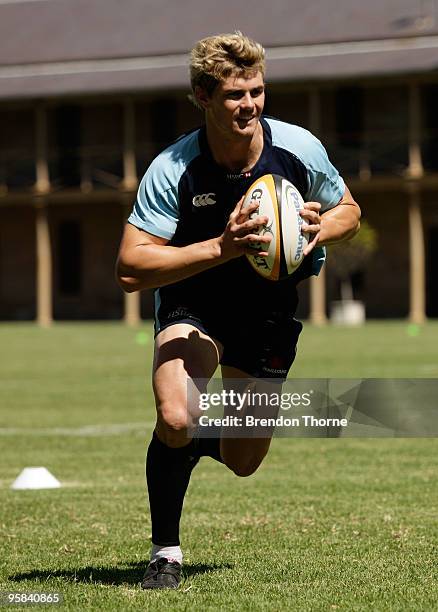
[(252, 226), (309, 248), (245, 212), (310, 229), (240, 208), (253, 238), (312, 206), (310, 215), (237, 209), (253, 251), (239, 204), (256, 248)]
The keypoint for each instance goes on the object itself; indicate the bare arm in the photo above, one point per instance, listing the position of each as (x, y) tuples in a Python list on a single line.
[(336, 225), (146, 261), (341, 222)]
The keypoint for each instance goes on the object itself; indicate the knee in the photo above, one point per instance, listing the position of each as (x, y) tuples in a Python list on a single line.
[(243, 461), (173, 424), (244, 469)]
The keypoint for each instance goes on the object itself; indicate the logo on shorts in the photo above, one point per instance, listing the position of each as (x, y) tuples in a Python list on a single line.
[(275, 365), (205, 199)]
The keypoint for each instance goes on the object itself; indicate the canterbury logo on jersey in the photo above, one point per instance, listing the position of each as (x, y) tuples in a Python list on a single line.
[(204, 199)]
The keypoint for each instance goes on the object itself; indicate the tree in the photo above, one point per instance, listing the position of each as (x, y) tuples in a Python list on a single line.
[(351, 256)]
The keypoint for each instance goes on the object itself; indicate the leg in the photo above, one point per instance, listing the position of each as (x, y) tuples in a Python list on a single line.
[(182, 352), (244, 455), (260, 351)]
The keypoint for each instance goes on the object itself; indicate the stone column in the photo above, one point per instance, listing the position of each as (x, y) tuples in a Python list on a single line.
[(44, 264), (317, 283), (415, 170), (132, 315), (132, 305), (417, 265), (130, 181), (44, 308), (417, 275), (317, 299), (42, 185)]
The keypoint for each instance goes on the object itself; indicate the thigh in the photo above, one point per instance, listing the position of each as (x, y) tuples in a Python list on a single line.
[(183, 355), (244, 454), (263, 347)]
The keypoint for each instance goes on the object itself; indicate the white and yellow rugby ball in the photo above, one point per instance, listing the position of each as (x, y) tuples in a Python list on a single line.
[(281, 202)]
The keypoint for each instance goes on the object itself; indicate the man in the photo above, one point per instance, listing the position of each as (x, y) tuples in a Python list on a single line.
[(186, 236)]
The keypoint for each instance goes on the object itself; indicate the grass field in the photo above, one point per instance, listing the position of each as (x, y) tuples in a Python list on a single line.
[(325, 524)]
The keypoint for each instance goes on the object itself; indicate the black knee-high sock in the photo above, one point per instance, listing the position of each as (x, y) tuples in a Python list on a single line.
[(168, 473), (209, 447)]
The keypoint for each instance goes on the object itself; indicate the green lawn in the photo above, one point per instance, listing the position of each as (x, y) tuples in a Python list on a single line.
[(325, 524)]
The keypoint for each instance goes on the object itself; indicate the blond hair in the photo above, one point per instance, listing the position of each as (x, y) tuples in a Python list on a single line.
[(215, 58)]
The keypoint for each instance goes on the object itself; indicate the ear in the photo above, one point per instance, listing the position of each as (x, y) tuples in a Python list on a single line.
[(202, 97)]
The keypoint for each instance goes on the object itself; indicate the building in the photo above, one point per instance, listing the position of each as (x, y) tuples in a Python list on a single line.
[(91, 91)]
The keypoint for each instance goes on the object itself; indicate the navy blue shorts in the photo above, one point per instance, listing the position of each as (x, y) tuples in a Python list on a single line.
[(260, 346)]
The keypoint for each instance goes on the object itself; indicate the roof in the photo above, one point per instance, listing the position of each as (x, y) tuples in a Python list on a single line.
[(54, 47)]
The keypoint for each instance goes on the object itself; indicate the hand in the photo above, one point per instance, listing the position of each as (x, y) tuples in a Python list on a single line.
[(240, 235), (311, 225)]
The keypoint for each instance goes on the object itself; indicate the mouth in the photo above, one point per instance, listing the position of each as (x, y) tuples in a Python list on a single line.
[(244, 121)]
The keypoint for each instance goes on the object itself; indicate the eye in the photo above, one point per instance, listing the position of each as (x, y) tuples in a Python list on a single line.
[(234, 95), (255, 93)]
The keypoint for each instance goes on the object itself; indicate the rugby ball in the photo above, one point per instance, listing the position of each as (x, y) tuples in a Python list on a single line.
[(281, 202)]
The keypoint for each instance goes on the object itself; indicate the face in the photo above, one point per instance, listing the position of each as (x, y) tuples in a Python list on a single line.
[(235, 106)]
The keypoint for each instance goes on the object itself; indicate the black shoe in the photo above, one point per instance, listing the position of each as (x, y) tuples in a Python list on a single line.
[(162, 574)]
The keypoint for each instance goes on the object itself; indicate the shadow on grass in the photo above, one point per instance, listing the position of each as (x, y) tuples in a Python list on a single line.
[(131, 574)]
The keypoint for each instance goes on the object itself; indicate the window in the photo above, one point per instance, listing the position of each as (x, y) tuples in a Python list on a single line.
[(70, 258), (430, 127), (348, 129), (349, 117), (163, 122), (432, 264), (67, 142), (17, 149), (386, 122)]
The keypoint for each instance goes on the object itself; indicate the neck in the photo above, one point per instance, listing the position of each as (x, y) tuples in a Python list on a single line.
[(236, 154)]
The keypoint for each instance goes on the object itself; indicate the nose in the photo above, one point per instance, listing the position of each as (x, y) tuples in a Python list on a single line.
[(247, 102)]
